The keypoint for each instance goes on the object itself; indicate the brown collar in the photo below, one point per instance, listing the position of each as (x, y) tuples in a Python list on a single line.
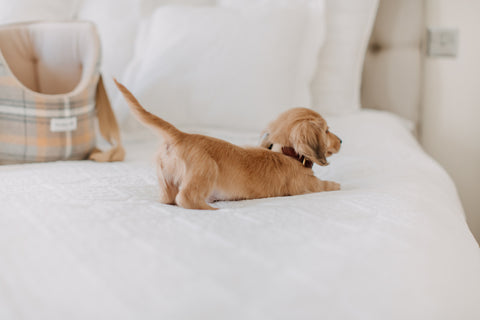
[(289, 151)]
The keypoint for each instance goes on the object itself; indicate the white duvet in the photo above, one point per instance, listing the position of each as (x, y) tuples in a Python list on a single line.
[(84, 240)]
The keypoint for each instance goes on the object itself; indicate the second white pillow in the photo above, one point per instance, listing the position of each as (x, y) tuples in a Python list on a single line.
[(225, 67)]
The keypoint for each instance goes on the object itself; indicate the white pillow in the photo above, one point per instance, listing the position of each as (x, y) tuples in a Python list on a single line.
[(224, 67), (148, 6), (117, 22), (336, 86), (337, 80), (32, 10)]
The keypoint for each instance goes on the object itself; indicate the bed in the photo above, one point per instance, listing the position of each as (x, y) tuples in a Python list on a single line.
[(85, 240)]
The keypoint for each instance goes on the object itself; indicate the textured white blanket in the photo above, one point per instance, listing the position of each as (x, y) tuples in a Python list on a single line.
[(85, 240)]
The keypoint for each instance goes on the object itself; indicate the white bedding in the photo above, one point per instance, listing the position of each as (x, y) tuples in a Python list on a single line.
[(84, 240)]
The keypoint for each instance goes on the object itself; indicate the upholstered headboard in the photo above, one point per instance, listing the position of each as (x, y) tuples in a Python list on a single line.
[(392, 75)]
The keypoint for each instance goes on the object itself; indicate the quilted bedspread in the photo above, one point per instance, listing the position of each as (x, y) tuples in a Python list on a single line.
[(85, 240)]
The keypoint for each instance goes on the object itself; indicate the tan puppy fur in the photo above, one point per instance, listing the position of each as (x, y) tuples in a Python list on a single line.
[(194, 169), (303, 130)]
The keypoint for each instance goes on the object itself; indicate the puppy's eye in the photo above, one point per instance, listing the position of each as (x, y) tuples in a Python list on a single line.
[(327, 131)]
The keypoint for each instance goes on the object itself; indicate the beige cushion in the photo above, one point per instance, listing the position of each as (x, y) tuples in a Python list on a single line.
[(50, 58)]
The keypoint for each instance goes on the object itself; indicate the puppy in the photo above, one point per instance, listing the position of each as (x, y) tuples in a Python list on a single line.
[(194, 169), (303, 134)]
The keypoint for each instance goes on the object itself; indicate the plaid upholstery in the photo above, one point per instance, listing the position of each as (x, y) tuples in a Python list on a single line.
[(27, 120)]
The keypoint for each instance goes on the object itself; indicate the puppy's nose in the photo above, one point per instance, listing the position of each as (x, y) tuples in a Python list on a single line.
[(340, 140)]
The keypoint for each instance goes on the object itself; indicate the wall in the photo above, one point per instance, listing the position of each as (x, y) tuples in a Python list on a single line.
[(451, 102)]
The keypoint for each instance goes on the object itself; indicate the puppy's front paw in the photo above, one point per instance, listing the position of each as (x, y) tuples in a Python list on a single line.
[(332, 186)]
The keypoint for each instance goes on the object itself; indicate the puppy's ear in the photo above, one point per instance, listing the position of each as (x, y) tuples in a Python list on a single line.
[(264, 140), (308, 140)]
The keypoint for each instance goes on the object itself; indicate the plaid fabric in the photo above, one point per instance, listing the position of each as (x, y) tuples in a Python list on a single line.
[(37, 127)]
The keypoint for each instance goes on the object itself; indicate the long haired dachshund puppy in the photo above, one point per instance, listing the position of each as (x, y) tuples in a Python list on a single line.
[(194, 169), (303, 134)]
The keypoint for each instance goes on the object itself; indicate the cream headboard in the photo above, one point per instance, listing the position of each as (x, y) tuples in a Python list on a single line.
[(392, 75)]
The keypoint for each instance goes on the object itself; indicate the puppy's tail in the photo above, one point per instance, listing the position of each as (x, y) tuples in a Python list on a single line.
[(163, 127)]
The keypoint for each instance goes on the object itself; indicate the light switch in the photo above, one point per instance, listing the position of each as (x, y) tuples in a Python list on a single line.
[(442, 42)]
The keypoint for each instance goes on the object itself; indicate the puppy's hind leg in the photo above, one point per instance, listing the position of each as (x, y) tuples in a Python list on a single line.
[(196, 188), (168, 191)]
